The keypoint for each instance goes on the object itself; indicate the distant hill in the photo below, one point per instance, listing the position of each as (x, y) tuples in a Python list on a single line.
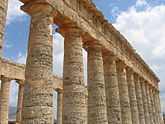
[(12, 113)]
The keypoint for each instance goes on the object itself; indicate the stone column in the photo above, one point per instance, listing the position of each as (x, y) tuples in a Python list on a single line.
[(112, 90), (19, 102), (145, 103), (156, 105), (97, 111), (0, 87), (161, 121), (152, 104), (149, 104), (139, 99), (123, 92), (74, 91), (4, 101), (3, 13), (59, 108), (38, 92), (132, 97)]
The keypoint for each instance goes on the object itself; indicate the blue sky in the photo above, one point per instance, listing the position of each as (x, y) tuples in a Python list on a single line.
[(140, 21)]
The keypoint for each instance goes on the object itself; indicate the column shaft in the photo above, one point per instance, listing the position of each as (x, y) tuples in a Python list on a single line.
[(139, 100), (123, 92), (74, 105), (156, 106), (4, 101), (59, 108), (145, 103), (0, 89), (153, 105), (97, 112), (3, 13), (19, 104), (38, 93), (112, 91), (132, 97), (149, 104)]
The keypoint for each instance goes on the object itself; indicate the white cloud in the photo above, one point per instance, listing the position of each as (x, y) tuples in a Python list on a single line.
[(115, 11), (141, 3), (144, 30), (13, 93), (14, 13), (21, 58), (6, 45), (58, 54)]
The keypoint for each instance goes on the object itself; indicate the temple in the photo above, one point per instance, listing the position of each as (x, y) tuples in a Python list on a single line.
[(121, 87)]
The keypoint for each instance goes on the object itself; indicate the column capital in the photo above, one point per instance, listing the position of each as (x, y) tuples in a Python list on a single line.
[(137, 76), (146, 83), (130, 70), (120, 64), (34, 7), (158, 91), (92, 45), (142, 80), (68, 29), (20, 82), (154, 90), (151, 86), (110, 58), (107, 56), (59, 91), (6, 79)]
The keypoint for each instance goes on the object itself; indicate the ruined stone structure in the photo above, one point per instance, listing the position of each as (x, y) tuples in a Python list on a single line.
[(122, 89)]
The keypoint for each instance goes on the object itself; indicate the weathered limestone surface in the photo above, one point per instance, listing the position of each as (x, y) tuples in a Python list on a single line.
[(156, 106), (74, 95), (112, 91), (4, 101), (57, 83), (59, 107), (0, 92), (161, 120), (149, 104), (16, 71), (116, 100), (97, 112), (153, 106), (12, 69), (19, 103), (139, 99), (123, 93), (38, 92), (145, 103), (3, 13), (132, 97), (85, 14)]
